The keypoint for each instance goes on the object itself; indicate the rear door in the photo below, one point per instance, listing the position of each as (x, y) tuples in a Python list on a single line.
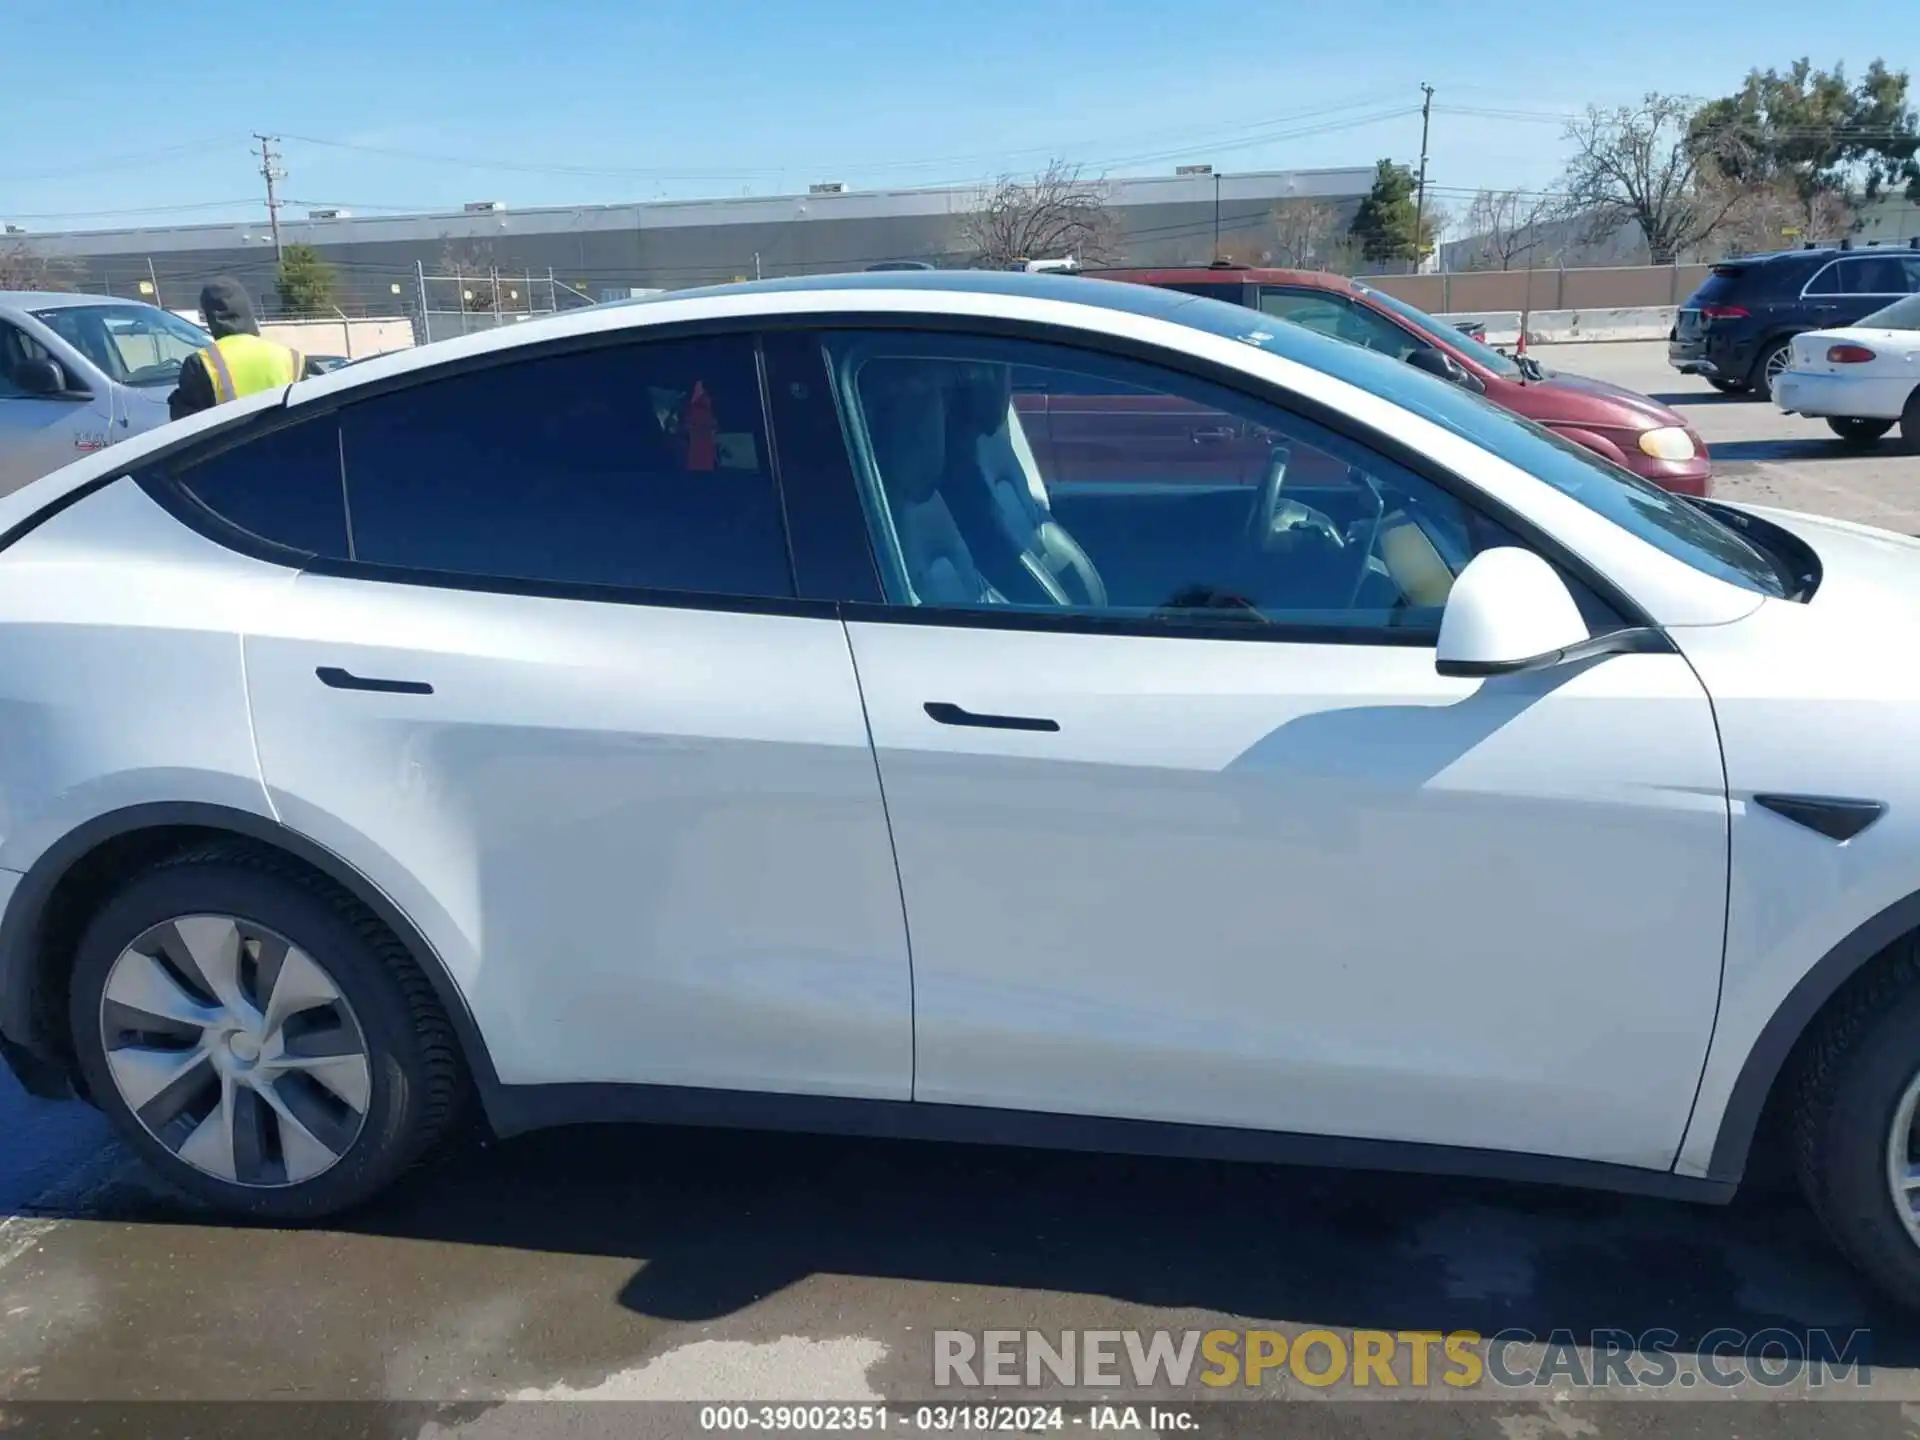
[(551, 687)]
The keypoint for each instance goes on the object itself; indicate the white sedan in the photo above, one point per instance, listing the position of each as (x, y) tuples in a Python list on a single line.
[(1859, 378), (1009, 708)]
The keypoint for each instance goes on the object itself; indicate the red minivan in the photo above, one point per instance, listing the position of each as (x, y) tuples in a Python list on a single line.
[(1628, 428)]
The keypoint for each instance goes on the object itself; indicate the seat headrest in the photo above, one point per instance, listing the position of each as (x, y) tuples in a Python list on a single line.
[(905, 405)]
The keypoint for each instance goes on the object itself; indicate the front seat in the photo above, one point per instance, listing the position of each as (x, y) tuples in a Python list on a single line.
[(905, 410), (986, 448)]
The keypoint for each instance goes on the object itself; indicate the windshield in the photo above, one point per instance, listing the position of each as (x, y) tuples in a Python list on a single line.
[(1481, 352), (1901, 315), (140, 345), (1665, 521)]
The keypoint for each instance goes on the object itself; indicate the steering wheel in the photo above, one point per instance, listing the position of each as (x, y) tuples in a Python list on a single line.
[(1274, 514)]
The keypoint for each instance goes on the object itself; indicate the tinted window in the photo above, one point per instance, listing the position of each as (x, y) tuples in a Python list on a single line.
[(643, 465), (283, 487), (1146, 495), (1873, 275)]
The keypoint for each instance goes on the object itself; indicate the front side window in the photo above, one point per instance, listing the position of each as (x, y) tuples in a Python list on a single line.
[(139, 345), (641, 466), (16, 347), (1335, 315), (1479, 351), (1163, 501)]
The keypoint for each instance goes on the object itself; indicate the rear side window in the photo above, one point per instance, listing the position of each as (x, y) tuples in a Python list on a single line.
[(282, 487), (643, 466)]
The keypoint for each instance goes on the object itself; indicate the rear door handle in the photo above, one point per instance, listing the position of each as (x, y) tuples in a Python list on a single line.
[(1216, 436), (948, 714), (334, 678)]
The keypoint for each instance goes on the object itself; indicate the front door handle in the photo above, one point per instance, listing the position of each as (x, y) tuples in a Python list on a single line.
[(334, 678), (948, 714)]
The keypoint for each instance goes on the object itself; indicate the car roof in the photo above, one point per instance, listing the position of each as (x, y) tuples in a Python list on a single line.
[(1221, 275), (1011, 294), (58, 299)]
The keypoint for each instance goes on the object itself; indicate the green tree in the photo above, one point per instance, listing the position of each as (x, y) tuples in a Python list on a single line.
[(1384, 225), (305, 281), (1813, 135)]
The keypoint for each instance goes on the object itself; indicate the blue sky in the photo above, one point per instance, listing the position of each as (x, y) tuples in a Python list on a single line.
[(415, 104)]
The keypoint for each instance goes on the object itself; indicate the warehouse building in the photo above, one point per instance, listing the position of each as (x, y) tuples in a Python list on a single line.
[(548, 257)]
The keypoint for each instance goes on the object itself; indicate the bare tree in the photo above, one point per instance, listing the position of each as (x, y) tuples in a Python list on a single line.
[(1304, 234), (1644, 165), (1055, 215), (1508, 227), (1769, 216), (22, 269)]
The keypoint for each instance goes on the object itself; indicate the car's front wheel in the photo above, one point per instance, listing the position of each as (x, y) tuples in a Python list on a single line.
[(1855, 431), (259, 1036), (1856, 1124), (1726, 386)]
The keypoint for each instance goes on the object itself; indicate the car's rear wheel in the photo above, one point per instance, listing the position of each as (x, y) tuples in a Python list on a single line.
[(1726, 386), (1910, 421), (1856, 431), (1768, 367), (260, 1037), (1856, 1125)]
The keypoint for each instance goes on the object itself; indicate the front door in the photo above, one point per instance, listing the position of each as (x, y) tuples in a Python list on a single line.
[(553, 691), (40, 433), (1227, 849)]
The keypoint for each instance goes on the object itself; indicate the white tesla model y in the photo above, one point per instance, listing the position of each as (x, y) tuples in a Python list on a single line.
[(1018, 708)]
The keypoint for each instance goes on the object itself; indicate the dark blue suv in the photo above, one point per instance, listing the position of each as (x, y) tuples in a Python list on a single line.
[(1735, 329)]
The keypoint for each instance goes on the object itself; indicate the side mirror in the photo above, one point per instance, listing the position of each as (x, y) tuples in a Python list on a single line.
[(1435, 361), (40, 377), (1508, 611)]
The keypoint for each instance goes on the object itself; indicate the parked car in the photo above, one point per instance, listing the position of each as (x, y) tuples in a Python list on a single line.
[(1859, 378), (440, 794), (1736, 330), (1628, 428), (80, 372)]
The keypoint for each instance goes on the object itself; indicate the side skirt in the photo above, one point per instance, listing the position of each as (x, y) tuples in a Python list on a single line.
[(516, 1109)]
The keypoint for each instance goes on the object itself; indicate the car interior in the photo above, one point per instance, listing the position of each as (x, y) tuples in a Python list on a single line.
[(969, 515)]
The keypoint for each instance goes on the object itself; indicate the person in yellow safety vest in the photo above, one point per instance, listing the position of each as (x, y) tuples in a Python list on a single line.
[(239, 362)]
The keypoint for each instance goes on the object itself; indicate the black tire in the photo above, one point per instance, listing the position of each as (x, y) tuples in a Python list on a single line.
[(1848, 1090), (1910, 421), (1758, 385), (1856, 431), (418, 1084), (1726, 386)]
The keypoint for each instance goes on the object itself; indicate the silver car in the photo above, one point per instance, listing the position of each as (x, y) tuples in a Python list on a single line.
[(79, 372)]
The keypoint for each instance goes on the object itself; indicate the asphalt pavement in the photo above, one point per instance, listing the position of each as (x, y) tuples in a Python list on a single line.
[(626, 1280)]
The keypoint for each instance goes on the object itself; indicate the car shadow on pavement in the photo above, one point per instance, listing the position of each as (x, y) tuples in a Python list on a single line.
[(717, 1220), (1703, 397), (1818, 448)]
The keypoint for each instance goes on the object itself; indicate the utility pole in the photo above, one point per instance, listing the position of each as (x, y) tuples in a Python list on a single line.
[(271, 171), (1420, 195)]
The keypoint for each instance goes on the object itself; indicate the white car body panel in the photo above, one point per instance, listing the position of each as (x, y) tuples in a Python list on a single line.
[(1875, 389), (1808, 703), (1315, 888), (647, 843), (120, 673)]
